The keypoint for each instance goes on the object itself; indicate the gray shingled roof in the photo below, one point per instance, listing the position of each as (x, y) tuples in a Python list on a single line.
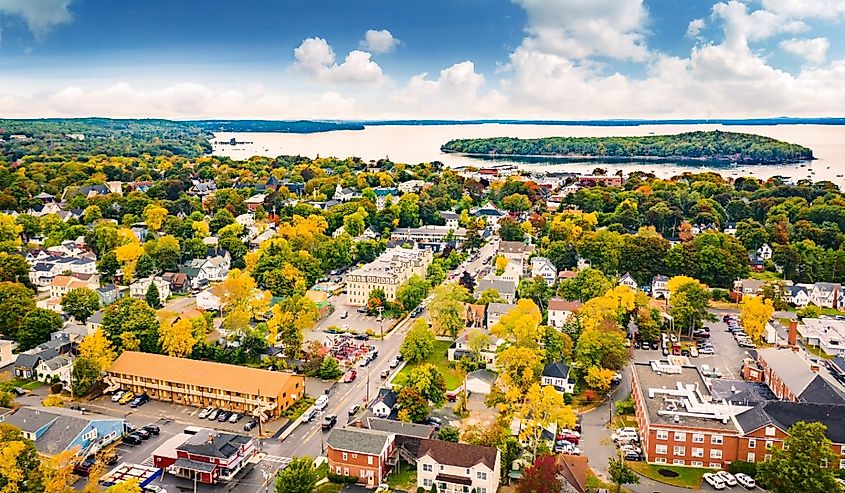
[(784, 414), (359, 440), (503, 287), (60, 434), (223, 445), (30, 420), (795, 373), (400, 428)]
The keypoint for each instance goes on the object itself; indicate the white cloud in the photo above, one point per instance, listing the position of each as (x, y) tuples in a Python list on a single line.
[(806, 9), (40, 15), (742, 26), (583, 28), (456, 89), (695, 27), (378, 41), (315, 58), (813, 50)]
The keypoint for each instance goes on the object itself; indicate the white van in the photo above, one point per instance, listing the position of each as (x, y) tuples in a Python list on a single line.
[(321, 402)]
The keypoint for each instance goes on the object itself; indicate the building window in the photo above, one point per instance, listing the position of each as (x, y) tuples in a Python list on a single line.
[(662, 435), (697, 438), (354, 456), (716, 439), (696, 463), (481, 475), (752, 443), (337, 469), (841, 463), (660, 460), (427, 468), (680, 436), (679, 450), (678, 462), (346, 471), (363, 473), (697, 452), (370, 459), (442, 485), (481, 490), (345, 456), (660, 449), (770, 431), (751, 457), (715, 465), (769, 444), (427, 483), (715, 453)]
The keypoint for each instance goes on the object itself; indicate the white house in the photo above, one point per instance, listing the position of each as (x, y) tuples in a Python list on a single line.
[(457, 467), (658, 287), (56, 368), (798, 296), (495, 311), (411, 186), (560, 310), (629, 281), (461, 348), (826, 295), (138, 289), (730, 229), (557, 375), (451, 219), (384, 403), (543, 267), (765, 252), (206, 300)]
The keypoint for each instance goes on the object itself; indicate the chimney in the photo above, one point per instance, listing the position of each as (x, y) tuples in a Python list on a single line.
[(814, 368), (792, 338)]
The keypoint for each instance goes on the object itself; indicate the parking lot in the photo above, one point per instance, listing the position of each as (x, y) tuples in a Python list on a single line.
[(353, 321)]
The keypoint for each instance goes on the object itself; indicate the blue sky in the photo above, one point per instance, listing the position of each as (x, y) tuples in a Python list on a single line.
[(439, 58)]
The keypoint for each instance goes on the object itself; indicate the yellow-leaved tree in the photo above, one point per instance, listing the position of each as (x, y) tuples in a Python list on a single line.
[(542, 408), (756, 312), (154, 215), (128, 251), (599, 379), (521, 325), (676, 282), (200, 228), (58, 472), (177, 338), (128, 486), (236, 291), (97, 347), (501, 264)]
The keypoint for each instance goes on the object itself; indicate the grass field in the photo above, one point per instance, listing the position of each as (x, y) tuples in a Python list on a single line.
[(688, 477), (405, 479), (438, 358)]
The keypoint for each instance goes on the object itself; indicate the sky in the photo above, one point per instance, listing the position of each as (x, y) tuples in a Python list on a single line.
[(403, 59)]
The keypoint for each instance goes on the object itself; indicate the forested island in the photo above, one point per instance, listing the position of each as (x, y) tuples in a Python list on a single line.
[(712, 146)]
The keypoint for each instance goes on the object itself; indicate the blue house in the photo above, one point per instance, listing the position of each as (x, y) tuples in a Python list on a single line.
[(55, 430)]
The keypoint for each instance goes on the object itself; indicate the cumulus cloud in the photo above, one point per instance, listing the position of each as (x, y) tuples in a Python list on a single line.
[(803, 9), (450, 94), (316, 59), (39, 15), (695, 27), (378, 41), (813, 50)]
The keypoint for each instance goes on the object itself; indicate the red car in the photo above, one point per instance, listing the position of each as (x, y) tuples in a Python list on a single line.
[(569, 436), (350, 376)]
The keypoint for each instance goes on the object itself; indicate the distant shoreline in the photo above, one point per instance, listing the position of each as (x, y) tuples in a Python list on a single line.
[(562, 158)]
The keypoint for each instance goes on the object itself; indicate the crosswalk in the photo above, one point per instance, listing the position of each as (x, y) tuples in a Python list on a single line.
[(148, 461), (283, 461)]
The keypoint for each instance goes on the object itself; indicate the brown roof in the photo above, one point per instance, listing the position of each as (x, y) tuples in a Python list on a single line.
[(233, 378), (458, 454), (567, 274), (561, 304), (574, 469)]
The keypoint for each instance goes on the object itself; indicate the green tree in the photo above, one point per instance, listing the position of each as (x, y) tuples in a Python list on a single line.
[(418, 343), (688, 306), (36, 328), (152, 296), (15, 302), (20, 464), (751, 234), (145, 267), (449, 434), (412, 405), (14, 268), (81, 303), (806, 462), (643, 255), (428, 381), (620, 474), (299, 476), (329, 369), (87, 373), (489, 296), (587, 284), (136, 319), (510, 230), (411, 292), (447, 308)]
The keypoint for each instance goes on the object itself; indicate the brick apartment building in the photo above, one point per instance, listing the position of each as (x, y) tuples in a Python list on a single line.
[(360, 453)]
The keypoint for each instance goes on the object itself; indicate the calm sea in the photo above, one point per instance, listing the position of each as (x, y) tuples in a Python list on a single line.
[(415, 144)]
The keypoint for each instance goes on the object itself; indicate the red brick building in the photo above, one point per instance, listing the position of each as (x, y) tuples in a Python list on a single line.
[(360, 453), (208, 456)]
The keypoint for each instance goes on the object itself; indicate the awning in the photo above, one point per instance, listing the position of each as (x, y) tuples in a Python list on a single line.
[(448, 478), (193, 465)]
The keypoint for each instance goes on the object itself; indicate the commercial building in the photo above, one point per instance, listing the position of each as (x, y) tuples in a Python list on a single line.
[(57, 429), (792, 377), (387, 272), (259, 392), (827, 333), (207, 456), (430, 234)]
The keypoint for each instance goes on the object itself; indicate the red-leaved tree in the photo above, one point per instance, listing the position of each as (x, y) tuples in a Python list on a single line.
[(541, 477)]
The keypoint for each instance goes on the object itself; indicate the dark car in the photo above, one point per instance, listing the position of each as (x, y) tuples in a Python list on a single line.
[(362, 337), (363, 309), (250, 425), (144, 434), (434, 421), (155, 430), (633, 456), (328, 421), (223, 416), (140, 400), (111, 459), (132, 439), (84, 467)]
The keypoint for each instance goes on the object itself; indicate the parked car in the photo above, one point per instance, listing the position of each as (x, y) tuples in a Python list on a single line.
[(385, 373), (205, 412), (344, 314), (693, 352), (394, 362), (362, 337), (309, 415), (132, 439), (154, 429), (350, 376), (250, 425), (127, 397), (213, 414), (144, 434), (140, 400), (223, 416), (713, 480), (627, 433), (569, 436), (434, 421), (117, 395), (84, 467), (328, 421), (363, 309), (706, 350), (727, 478), (364, 361), (633, 456), (353, 410), (235, 417), (745, 480), (151, 488)]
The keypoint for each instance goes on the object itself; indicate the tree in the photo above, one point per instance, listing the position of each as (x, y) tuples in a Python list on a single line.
[(541, 477), (599, 379), (490, 434), (412, 405), (154, 215), (98, 348), (510, 230), (14, 268), (449, 434), (10, 234), (557, 345), (86, 374), (152, 296), (489, 296), (167, 253), (478, 341), (620, 474), (137, 320), (806, 462), (329, 369), (542, 408), (177, 338), (776, 292), (521, 325), (128, 486), (81, 303), (411, 292), (756, 313), (376, 300), (689, 301), (429, 382), (447, 307), (58, 472), (516, 202), (15, 302), (20, 465), (418, 343), (299, 476), (36, 328), (128, 252), (587, 284), (604, 348), (501, 264)]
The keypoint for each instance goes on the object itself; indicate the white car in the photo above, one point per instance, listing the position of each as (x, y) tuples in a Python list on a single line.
[(630, 448), (746, 481), (714, 481), (117, 395), (151, 488), (625, 434), (727, 477), (205, 412), (706, 350)]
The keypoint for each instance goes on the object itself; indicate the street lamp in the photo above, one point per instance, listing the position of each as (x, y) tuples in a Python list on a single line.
[(610, 407)]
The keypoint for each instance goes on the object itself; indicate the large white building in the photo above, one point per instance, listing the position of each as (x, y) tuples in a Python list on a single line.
[(457, 467), (388, 272)]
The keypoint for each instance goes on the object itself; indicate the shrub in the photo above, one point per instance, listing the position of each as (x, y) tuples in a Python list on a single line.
[(719, 294), (341, 479), (53, 400), (567, 398), (56, 388), (749, 468), (589, 395), (626, 406)]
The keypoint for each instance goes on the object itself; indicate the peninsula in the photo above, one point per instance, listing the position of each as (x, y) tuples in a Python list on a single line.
[(713, 146)]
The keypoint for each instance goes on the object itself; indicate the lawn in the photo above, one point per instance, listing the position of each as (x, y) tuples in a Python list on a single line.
[(24, 384), (454, 378), (688, 477), (817, 351), (594, 483), (298, 408), (403, 478), (766, 275)]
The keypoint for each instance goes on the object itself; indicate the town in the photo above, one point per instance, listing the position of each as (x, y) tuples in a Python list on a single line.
[(186, 322)]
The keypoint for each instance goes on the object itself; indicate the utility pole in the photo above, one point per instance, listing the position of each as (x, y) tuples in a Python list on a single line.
[(381, 320)]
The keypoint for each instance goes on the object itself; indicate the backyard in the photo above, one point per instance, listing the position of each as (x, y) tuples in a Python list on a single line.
[(438, 358), (404, 477), (684, 477)]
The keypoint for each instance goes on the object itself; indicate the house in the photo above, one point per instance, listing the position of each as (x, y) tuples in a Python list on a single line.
[(384, 403), (490, 214), (110, 293), (28, 363), (543, 267), (826, 333), (730, 229), (458, 467), (360, 453), (55, 369), (474, 315), (560, 310), (451, 219), (60, 285), (462, 348), (495, 311), (748, 287), (383, 194), (202, 188), (506, 290), (756, 262), (95, 321), (179, 281), (344, 194), (515, 251), (628, 281), (206, 300), (480, 381), (573, 473), (827, 295), (138, 289), (256, 201), (557, 375), (411, 186), (213, 457), (797, 295), (659, 291), (765, 252), (793, 378), (566, 274), (6, 356), (73, 333), (56, 430)]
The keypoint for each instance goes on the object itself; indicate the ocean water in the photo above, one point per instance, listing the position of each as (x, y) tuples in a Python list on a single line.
[(415, 144)]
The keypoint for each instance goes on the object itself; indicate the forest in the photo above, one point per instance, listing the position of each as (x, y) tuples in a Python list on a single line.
[(716, 145)]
